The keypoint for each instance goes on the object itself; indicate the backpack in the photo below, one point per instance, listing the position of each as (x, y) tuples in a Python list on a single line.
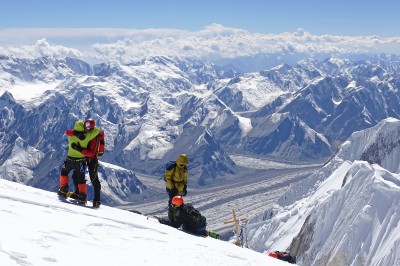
[(102, 144), (169, 166), (283, 256), (194, 215)]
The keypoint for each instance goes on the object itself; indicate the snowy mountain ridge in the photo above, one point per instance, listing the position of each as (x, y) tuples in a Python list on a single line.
[(344, 214)]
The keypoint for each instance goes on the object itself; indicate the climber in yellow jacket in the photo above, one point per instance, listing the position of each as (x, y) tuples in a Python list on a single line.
[(176, 177)]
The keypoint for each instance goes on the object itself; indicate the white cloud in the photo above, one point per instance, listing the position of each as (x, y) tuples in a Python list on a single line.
[(39, 49), (213, 42)]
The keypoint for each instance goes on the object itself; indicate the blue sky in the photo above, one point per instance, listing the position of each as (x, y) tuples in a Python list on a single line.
[(126, 30), (340, 17)]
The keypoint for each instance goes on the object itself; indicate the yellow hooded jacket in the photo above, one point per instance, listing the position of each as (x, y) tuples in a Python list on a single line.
[(79, 126), (177, 178)]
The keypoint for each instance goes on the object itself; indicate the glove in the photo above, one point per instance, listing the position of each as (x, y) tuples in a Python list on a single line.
[(76, 146), (160, 220), (174, 190), (80, 135), (184, 191)]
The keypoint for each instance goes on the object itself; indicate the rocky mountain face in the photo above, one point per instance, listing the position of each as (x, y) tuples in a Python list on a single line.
[(156, 108)]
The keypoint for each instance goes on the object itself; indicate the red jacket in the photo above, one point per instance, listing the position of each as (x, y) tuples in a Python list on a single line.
[(92, 149)]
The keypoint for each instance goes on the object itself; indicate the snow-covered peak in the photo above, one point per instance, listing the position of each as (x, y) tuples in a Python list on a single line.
[(379, 144), (350, 219), (249, 91), (357, 224), (341, 214), (21, 162)]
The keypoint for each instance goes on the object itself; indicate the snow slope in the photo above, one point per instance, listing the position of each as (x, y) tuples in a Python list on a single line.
[(38, 229)]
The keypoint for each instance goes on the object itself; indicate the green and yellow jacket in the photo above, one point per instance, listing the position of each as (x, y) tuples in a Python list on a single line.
[(79, 127)]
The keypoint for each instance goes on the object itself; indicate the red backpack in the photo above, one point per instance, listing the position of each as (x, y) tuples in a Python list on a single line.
[(283, 255)]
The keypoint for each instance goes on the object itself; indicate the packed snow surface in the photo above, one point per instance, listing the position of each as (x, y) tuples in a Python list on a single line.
[(37, 228)]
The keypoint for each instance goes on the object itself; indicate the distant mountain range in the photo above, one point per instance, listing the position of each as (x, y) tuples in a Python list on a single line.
[(156, 108)]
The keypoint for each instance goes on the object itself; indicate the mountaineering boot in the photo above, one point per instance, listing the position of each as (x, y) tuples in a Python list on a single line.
[(82, 198), (63, 191), (96, 199), (73, 195), (96, 203), (82, 195), (79, 197)]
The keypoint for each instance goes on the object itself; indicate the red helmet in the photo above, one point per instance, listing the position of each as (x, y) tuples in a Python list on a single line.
[(177, 200), (89, 124)]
